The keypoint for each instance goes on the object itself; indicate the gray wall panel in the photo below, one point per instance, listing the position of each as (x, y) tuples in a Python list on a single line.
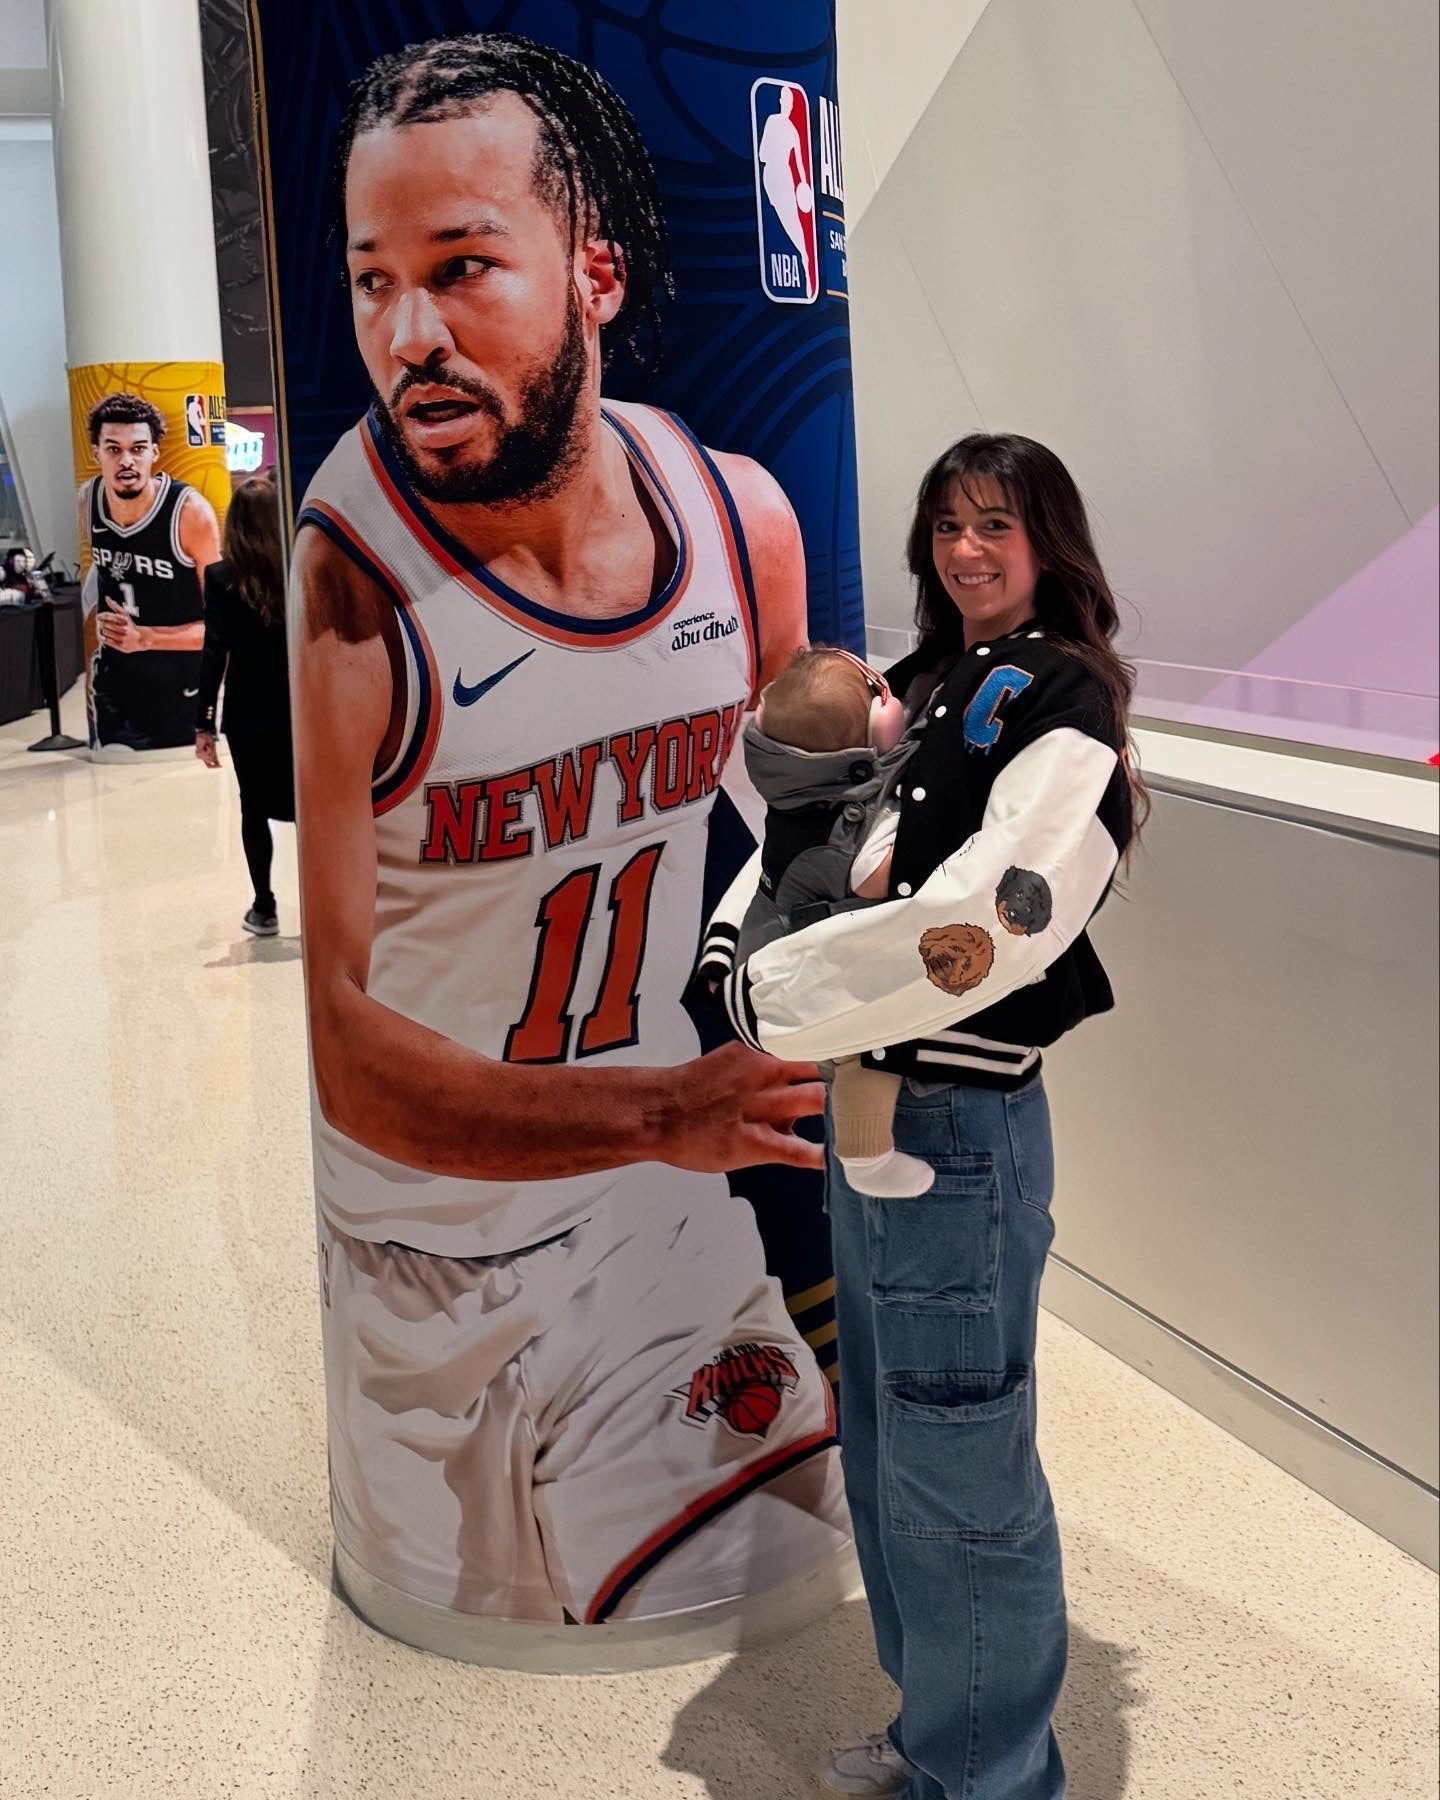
[(903, 420), (1248, 1144), (1326, 125)]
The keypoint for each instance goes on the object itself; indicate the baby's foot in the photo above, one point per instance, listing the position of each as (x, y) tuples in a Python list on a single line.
[(893, 1176)]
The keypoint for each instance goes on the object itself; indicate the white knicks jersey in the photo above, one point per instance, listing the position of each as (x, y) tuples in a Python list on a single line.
[(541, 834)]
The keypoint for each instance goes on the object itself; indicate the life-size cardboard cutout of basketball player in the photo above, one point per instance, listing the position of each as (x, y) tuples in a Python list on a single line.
[(528, 623), (150, 540)]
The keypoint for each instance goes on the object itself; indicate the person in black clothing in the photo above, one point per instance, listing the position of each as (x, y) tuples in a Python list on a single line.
[(245, 646), (1016, 808)]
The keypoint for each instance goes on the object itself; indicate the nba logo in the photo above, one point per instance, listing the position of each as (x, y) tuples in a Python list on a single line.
[(197, 434), (785, 191)]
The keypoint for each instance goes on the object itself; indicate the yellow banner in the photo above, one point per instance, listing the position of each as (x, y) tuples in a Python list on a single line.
[(132, 424), (190, 398)]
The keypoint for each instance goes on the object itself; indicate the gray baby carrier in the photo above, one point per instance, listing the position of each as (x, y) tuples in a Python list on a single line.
[(821, 806)]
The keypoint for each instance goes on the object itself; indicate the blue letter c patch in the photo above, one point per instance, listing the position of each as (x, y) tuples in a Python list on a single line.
[(983, 724)]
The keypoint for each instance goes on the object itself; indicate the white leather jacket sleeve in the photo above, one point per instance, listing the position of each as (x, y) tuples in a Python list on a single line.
[(722, 934), (911, 965)]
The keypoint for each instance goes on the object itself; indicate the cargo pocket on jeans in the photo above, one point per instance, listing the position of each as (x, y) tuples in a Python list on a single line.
[(1027, 1119), (940, 1251), (959, 1456)]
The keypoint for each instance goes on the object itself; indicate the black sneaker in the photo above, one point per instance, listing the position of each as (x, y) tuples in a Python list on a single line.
[(261, 924)]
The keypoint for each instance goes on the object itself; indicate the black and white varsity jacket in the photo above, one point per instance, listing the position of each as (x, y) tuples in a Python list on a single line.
[(1015, 810)]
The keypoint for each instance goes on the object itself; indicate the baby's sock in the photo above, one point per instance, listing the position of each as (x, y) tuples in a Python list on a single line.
[(892, 1176)]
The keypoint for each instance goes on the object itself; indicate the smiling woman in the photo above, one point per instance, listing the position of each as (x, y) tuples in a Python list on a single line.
[(1000, 534), (981, 552), (1018, 804)]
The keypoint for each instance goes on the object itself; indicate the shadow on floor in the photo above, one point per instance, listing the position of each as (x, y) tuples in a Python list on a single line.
[(258, 950), (769, 1721)]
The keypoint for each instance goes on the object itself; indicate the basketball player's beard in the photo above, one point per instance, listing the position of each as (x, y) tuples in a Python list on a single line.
[(530, 457)]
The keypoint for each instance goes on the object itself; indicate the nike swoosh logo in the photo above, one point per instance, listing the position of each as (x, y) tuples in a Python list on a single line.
[(192, 693), (467, 696)]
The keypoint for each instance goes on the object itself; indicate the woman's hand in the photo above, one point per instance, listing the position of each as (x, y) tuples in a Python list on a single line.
[(206, 749)]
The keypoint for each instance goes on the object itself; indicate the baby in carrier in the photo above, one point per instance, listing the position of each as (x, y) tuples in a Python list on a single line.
[(825, 751)]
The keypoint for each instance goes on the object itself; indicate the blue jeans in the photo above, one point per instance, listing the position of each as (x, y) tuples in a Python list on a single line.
[(937, 1300)]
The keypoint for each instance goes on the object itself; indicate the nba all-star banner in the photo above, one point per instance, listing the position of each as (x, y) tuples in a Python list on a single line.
[(149, 450), (564, 388)]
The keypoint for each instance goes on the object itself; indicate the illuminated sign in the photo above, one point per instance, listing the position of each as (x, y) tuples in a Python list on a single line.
[(244, 450)]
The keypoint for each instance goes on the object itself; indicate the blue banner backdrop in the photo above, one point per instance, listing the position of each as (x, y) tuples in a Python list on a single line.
[(746, 371)]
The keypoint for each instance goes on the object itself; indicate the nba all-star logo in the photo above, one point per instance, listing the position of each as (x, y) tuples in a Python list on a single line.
[(801, 221), (745, 1386)]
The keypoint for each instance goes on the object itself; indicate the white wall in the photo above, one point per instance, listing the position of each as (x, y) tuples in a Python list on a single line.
[(32, 343), (888, 77), (1192, 247), (22, 34)]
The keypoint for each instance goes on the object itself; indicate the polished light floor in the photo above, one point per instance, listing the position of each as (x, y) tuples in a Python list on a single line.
[(167, 1626)]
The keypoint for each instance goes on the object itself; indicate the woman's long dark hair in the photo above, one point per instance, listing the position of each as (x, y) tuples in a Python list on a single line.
[(252, 547), (1073, 601)]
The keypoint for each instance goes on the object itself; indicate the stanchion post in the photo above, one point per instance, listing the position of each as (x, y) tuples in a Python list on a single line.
[(50, 680)]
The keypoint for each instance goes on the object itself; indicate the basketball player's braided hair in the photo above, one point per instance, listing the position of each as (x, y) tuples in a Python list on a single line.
[(125, 409), (592, 164)]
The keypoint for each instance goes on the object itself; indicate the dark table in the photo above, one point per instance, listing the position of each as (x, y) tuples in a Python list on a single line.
[(22, 687)]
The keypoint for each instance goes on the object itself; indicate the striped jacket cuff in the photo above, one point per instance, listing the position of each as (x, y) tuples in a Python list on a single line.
[(717, 950), (954, 1052), (738, 1005)]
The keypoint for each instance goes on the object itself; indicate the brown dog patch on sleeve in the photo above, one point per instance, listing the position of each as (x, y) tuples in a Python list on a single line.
[(957, 958)]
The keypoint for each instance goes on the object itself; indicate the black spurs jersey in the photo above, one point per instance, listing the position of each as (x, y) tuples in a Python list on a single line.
[(145, 698), (1015, 811)]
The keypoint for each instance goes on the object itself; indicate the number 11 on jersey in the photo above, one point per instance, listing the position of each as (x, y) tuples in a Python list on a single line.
[(564, 922)]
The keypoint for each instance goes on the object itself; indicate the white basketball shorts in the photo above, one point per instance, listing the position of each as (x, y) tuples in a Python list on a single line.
[(531, 1436)]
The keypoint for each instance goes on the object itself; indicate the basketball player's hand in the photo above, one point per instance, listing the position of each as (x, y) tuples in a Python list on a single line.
[(735, 1107), (118, 631), (206, 750)]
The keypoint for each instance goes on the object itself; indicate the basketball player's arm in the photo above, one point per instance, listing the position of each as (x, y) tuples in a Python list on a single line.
[(777, 563), (200, 540), (408, 1093), (777, 566), (199, 532)]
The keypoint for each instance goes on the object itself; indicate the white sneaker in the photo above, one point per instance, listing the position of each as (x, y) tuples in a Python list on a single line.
[(874, 1770)]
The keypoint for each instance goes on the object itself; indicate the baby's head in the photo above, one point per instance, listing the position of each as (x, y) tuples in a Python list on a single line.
[(829, 700)]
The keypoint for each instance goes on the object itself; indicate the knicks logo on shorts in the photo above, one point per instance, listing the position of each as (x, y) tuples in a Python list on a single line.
[(785, 191), (745, 1386)]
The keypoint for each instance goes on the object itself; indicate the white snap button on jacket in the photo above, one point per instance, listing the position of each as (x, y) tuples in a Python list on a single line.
[(939, 712), (982, 649), (903, 888), (917, 793)]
